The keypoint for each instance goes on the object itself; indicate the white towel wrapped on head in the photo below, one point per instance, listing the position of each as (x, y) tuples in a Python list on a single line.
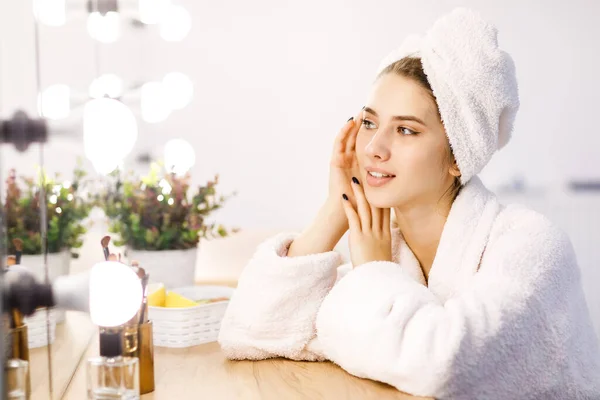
[(473, 81)]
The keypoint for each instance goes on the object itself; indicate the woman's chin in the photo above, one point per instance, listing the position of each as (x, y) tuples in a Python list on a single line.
[(380, 201)]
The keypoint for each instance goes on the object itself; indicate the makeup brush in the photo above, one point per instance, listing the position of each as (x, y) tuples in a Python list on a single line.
[(18, 243), (112, 257), (11, 260), (104, 242), (144, 313)]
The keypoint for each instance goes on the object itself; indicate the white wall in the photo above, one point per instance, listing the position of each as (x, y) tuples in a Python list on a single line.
[(275, 81)]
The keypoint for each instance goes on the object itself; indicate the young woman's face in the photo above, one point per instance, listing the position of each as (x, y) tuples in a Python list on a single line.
[(403, 138)]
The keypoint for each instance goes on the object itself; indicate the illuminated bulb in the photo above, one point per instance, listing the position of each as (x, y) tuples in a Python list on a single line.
[(50, 12), (58, 210), (160, 197), (171, 201), (179, 90), (106, 85), (154, 103), (151, 11), (55, 102), (70, 197), (53, 199), (104, 28), (109, 133), (179, 156), (66, 184), (175, 24), (115, 293)]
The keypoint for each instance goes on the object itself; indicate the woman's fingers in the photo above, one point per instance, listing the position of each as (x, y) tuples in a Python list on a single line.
[(363, 207), (342, 138), (386, 221), (353, 219), (351, 141), (377, 218)]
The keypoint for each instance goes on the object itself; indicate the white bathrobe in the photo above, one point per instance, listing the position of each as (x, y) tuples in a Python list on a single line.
[(503, 315)]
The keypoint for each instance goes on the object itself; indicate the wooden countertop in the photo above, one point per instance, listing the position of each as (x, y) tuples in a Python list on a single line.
[(72, 339), (202, 372)]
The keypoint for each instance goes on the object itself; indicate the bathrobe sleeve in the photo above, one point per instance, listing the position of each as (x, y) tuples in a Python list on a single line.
[(380, 324), (273, 310)]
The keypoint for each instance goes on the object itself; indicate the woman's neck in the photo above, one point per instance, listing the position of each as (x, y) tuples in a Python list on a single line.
[(422, 229)]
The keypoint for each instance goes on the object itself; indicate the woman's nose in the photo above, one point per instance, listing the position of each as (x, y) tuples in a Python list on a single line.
[(378, 147)]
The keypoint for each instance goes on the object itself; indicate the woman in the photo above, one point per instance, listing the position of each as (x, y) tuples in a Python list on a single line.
[(464, 298)]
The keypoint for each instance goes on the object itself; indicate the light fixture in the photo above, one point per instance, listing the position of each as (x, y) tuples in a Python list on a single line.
[(175, 24), (55, 102), (179, 156), (154, 103), (179, 90), (111, 292), (109, 85), (50, 12), (104, 28), (109, 133)]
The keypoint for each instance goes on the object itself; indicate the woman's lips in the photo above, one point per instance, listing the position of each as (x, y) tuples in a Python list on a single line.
[(376, 182)]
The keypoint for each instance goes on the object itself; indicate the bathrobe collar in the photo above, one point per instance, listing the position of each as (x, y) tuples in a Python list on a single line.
[(461, 245)]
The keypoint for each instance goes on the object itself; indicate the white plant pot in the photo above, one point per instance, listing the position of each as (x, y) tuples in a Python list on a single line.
[(58, 264), (174, 268)]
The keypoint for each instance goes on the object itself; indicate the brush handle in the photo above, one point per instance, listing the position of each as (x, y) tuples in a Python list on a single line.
[(18, 257), (106, 253)]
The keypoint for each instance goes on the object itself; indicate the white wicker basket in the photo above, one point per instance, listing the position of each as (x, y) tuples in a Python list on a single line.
[(191, 326), (37, 328)]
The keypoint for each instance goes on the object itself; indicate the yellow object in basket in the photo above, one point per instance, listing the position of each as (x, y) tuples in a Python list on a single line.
[(175, 300), (156, 295)]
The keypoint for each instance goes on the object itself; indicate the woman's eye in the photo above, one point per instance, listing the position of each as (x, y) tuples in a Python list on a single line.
[(368, 124), (406, 131)]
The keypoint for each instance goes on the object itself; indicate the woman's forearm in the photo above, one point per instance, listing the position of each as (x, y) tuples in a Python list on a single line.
[(324, 232)]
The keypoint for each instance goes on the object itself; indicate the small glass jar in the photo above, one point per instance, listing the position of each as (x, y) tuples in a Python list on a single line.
[(113, 378), (17, 373)]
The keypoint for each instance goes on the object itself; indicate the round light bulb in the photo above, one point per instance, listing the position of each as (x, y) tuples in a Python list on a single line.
[(179, 89), (115, 293), (50, 12), (151, 11), (109, 133), (154, 103), (55, 102), (180, 156), (175, 24), (106, 85), (104, 28)]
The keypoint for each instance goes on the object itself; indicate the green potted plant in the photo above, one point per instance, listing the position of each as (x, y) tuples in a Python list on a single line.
[(160, 220), (67, 206)]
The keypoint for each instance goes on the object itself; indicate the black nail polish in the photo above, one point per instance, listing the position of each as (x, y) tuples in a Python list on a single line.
[(345, 197), (350, 119), (355, 180)]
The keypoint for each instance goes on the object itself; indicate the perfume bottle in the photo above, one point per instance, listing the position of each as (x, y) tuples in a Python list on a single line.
[(16, 373), (112, 376)]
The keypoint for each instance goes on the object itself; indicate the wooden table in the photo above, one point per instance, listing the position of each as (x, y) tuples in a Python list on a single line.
[(72, 339), (202, 372)]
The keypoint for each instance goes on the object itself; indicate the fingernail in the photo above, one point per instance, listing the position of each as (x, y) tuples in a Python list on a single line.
[(345, 197), (350, 119), (355, 180)]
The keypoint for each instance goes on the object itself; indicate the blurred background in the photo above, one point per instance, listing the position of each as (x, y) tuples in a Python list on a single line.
[(255, 91)]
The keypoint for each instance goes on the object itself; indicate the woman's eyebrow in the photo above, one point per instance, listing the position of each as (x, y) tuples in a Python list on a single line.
[(398, 117)]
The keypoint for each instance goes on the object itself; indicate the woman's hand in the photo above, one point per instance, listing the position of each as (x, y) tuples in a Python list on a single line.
[(344, 164), (370, 235), (331, 223)]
